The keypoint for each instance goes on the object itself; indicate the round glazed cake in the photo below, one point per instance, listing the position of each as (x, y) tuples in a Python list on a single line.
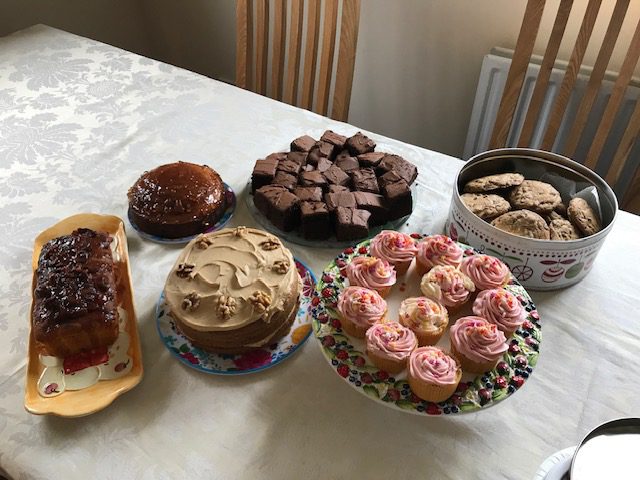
[(234, 290), (177, 200)]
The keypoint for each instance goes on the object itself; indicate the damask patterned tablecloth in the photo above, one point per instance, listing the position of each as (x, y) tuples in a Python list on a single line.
[(80, 121)]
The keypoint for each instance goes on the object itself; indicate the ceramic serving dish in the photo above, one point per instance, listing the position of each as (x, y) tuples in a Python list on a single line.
[(536, 264), (126, 375)]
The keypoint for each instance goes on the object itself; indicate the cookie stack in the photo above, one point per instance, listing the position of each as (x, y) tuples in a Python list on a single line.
[(529, 208)]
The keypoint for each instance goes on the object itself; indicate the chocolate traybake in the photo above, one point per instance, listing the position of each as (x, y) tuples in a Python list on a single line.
[(303, 189), (75, 295), (181, 199)]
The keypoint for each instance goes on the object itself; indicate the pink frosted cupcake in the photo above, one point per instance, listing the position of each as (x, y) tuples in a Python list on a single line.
[(437, 250), (425, 317), (447, 285), (359, 309), (433, 375), (396, 248), (389, 346), (477, 343), (501, 308), (373, 273), (485, 271)]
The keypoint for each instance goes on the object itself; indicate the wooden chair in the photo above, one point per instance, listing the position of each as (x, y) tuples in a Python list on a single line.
[(286, 84), (515, 78)]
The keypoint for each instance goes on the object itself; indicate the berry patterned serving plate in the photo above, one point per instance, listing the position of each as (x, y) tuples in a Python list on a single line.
[(230, 197), (295, 237), (254, 361), (347, 355)]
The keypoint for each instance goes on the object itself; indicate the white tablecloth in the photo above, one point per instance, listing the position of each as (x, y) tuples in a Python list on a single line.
[(80, 121)]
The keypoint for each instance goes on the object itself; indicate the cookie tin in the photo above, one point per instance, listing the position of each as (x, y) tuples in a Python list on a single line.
[(537, 264)]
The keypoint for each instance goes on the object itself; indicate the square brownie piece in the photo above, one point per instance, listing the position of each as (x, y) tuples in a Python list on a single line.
[(371, 159), (315, 223), (347, 163), (351, 223), (335, 176), (308, 194), (365, 180), (303, 143), (334, 138), (359, 144), (338, 189), (323, 165), (340, 199), (321, 150), (285, 179), (399, 199), (298, 157), (263, 174), (313, 179), (395, 163), (342, 154), (278, 156), (389, 177), (375, 204), (289, 166), (279, 205)]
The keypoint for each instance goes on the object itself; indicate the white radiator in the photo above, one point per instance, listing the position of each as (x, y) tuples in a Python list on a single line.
[(485, 107)]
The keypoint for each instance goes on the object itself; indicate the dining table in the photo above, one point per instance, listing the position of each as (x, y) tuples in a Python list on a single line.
[(80, 121)]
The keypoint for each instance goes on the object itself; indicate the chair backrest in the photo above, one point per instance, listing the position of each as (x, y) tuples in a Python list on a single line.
[(515, 78), (293, 75)]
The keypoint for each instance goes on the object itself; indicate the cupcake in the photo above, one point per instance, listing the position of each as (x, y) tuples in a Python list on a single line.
[(437, 250), (501, 308), (373, 273), (447, 285), (389, 346), (360, 308), (396, 248), (433, 375), (425, 317), (477, 343), (485, 271)]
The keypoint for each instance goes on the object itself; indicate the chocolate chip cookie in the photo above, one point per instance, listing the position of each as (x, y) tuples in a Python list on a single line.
[(485, 206), (524, 223), (539, 197), (583, 216), (493, 182), (561, 229)]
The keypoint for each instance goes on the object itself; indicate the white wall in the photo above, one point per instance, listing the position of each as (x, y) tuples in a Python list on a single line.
[(417, 62)]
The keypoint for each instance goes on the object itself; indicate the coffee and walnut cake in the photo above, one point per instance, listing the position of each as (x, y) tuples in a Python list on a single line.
[(234, 290), (335, 185)]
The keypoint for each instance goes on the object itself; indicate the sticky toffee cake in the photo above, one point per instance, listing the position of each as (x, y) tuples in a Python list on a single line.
[(234, 290)]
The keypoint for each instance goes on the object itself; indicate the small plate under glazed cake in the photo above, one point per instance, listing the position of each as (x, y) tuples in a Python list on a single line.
[(234, 290), (84, 349)]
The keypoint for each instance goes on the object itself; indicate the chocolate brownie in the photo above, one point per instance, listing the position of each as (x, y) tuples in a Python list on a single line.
[(298, 157), (263, 173), (338, 189), (279, 205), (336, 176), (315, 223), (285, 179), (406, 170), (365, 180), (371, 159), (341, 199), (277, 156), (343, 154), (374, 204), (289, 166), (308, 194), (347, 163), (399, 199), (323, 165), (351, 223), (334, 138), (313, 179), (359, 144), (389, 177), (303, 143)]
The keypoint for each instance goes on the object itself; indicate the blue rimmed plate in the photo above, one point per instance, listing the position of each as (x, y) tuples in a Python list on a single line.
[(230, 197), (254, 361)]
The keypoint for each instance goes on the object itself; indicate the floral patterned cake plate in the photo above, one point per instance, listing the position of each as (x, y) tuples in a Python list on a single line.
[(254, 361), (348, 358), (230, 197)]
